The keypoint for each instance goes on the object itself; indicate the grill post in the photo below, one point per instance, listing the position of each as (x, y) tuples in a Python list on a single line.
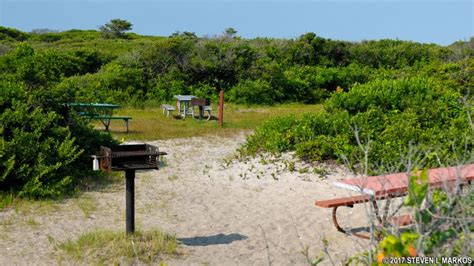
[(129, 158), (130, 200)]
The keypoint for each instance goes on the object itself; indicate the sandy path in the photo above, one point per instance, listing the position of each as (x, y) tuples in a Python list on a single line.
[(224, 212)]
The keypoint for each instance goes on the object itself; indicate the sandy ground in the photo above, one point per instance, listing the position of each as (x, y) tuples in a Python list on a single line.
[(223, 210)]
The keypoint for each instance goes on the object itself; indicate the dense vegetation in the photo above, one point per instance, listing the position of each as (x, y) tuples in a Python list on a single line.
[(256, 71), (393, 93), (387, 122), (44, 149)]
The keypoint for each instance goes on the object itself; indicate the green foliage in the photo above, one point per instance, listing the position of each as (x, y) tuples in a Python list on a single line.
[(10, 34), (307, 69), (462, 49), (113, 83), (42, 155), (392, 93), (442, 227), (63, 37), (273, 136), (313, 84), (254, 92), (318, 149), (48, 66), (396, 54), (37, 151), (414, 117), (116, 28), (397, 246), (230, 32)]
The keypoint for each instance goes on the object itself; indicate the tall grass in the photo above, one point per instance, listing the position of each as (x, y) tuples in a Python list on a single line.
[(151, 124), (109, 247)]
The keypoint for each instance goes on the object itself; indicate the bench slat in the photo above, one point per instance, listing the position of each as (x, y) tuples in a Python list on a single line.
[(111, 117), (167, 107), (347, 201)]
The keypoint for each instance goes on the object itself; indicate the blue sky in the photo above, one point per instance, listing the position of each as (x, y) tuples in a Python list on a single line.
[(438, 21)]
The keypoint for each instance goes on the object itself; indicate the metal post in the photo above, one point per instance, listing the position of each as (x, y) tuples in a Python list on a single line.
[(130, 200), (221, 108)]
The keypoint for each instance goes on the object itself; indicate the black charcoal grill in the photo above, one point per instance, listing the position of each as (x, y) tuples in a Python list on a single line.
[(128, 158)]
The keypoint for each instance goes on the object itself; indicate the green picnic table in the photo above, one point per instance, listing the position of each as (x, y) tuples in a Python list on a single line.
[(99, 111)]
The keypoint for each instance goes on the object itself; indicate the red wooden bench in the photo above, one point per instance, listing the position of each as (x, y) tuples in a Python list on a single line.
[(389, 186), (351, 201)]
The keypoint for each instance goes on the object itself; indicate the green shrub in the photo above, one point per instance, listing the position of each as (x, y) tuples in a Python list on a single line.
[(112, 84), (254, 92), (396, 53), (319, 149), (41, 154), (12, 34), (313, 83), (405, 117), (48, 67), (167, 86), (36, 152), (273, 136)]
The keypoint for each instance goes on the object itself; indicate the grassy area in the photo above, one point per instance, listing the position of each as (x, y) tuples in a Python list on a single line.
[(25, 205), (87, 205), (109, 247), (151, 124)]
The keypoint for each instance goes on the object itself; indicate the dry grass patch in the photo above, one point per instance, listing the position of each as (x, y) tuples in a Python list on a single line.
[(173, 177), (32, 223), (110, 247), (87, 205), (151, 124), (25, 206)]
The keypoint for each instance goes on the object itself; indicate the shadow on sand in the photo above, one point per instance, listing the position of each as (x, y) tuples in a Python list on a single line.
[(211, 240)]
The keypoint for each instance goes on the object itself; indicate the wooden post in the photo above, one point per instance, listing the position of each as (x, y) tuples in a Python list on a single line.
[(221, 108)]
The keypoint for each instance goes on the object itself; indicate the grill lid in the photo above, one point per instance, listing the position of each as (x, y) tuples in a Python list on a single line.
[(130, 157)]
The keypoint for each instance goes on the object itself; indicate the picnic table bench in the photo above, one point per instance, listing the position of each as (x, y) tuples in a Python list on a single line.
[(168, 109), (203, 105), (106, 120), (186, 106), (99, 111), (390, 186)]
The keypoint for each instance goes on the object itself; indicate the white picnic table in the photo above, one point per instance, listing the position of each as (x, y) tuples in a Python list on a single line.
[(184, 104)]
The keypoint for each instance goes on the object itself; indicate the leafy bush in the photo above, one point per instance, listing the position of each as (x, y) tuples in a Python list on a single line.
[(41, 154), (116, 28), (318, 149), (274, 136), (313, 84), (12, 34), (113, 83), (413, 116), (395, 53), (47, 67), (36, 152), (254, 92)]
